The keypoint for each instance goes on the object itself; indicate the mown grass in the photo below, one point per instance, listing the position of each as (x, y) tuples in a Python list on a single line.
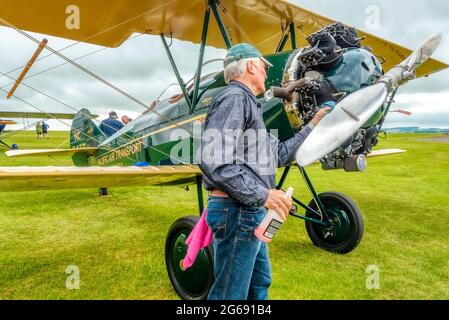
[(117, 242)]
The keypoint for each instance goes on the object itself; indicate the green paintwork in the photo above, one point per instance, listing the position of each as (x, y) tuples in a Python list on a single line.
[(347, 76), (340, 229), (195, 279), (157, 142), (157, 148), (376, 117)]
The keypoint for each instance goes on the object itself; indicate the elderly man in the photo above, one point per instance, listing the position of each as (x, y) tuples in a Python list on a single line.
[(111, 125), (241, 190)]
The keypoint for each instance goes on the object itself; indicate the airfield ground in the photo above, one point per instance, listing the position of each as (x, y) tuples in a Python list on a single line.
[(117, 242)]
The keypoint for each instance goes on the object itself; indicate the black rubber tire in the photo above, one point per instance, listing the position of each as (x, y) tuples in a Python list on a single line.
[(186, 225), (354, 215)]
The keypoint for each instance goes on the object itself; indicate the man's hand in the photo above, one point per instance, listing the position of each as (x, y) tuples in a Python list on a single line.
[(279, 202), (320, 115)]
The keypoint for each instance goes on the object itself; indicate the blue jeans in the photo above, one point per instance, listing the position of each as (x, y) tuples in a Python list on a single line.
[(241, 263)]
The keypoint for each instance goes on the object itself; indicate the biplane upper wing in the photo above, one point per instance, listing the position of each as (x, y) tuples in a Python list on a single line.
[(56, 178), (110, 23), (38, 115)]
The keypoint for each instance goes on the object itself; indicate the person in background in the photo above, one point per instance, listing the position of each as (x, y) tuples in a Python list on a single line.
[(38, 130), (45, 130), (2, 127), (126, 120), (111, 125)]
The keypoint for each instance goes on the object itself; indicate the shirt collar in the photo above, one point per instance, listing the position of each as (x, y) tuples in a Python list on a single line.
[(244, 87)]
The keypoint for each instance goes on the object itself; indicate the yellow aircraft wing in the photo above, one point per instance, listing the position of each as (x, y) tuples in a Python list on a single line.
[(56, 178), (384, 152), (376, 153), (38, 115), (49, 152), (110, 22)]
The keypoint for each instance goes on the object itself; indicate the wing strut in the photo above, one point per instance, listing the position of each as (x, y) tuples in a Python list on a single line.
[(221, 25), (293, 35), (175, 70), (200, 59), (36, 54)]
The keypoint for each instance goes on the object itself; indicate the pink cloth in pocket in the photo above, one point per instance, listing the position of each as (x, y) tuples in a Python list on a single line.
[(200, 237)]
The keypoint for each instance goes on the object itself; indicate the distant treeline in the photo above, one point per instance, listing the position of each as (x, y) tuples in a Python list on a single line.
[(417, 130)]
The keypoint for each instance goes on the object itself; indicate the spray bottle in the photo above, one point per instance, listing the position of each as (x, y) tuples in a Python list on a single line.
[(271, 223)]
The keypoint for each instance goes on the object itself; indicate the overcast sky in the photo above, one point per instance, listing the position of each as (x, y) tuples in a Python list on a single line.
[(141, 68)]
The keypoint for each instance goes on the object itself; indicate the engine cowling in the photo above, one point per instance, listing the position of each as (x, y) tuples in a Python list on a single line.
[(332, 67)]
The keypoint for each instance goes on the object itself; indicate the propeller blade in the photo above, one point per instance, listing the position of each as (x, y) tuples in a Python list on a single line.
[(336, 127), (406, 70), (424, 51)]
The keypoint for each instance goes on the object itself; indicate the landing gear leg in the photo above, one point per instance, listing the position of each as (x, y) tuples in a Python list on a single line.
[(333, 221)]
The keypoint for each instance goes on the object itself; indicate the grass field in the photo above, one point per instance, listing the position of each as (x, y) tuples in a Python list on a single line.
[(117, 242)]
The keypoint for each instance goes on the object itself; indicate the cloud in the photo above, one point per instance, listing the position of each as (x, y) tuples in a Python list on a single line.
[(428, 110)]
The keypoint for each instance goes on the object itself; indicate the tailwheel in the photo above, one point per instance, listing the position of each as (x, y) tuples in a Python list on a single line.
[(345, 230), (195, 282)]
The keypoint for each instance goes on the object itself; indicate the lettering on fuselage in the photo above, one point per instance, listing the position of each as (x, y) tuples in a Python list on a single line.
[(120, 153)]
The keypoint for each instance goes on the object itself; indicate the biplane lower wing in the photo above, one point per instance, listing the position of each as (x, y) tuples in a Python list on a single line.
[(49, 152), (376, 153), (55, 178), (384, 152), (38, 115)]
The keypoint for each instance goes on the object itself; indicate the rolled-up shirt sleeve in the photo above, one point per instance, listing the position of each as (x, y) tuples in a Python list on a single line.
[(219, 165)]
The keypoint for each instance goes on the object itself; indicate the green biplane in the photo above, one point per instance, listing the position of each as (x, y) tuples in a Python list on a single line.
[(309, 52)]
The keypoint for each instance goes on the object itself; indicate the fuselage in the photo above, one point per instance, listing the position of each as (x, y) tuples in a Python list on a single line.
[(151, 138)]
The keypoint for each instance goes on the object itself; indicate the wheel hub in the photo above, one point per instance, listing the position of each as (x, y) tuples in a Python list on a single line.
[(339, 226), (193, 280)]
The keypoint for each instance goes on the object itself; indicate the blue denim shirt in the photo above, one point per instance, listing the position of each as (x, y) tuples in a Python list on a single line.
[(237, 108), (110, 126)]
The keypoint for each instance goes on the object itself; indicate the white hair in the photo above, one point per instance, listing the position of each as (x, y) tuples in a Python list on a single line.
[(236, 69)]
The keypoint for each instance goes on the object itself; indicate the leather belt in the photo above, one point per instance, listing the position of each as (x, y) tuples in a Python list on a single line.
[(218, 193)]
